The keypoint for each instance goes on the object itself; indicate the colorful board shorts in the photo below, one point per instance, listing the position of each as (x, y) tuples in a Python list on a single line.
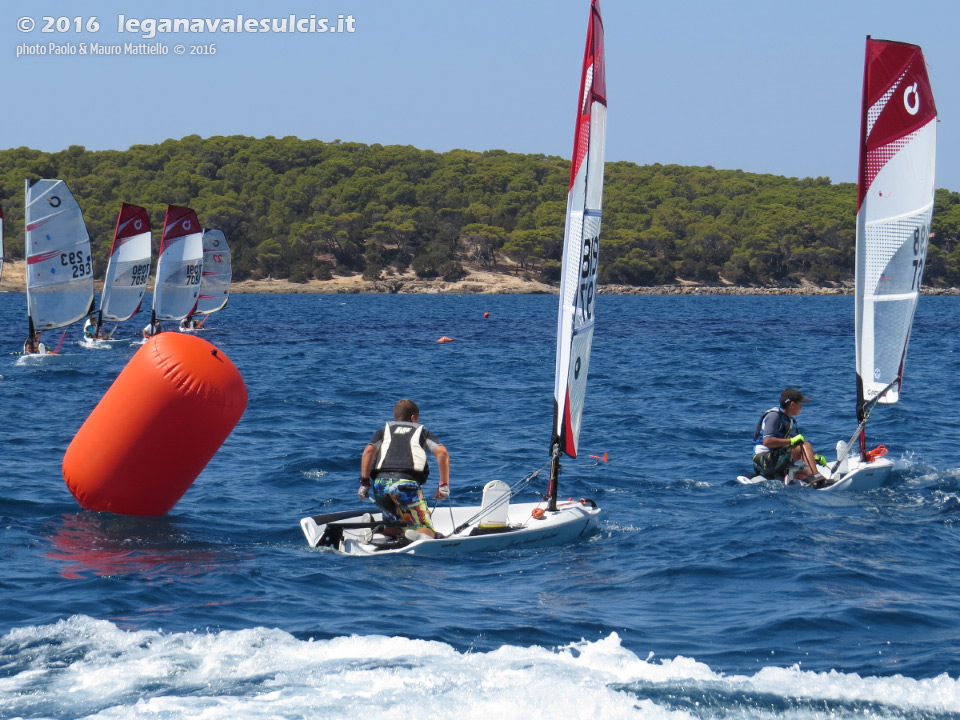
[(401, 499)]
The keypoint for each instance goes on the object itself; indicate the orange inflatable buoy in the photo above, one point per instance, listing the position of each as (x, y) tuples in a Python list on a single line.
[(156, 428), (486, 314), (445, 339)]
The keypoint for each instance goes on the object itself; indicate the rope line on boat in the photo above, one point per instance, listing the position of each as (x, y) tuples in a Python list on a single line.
[(867, 409)]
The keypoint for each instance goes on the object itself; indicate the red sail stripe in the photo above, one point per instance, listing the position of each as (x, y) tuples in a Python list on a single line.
[(177, 223), (596, 92), (41, 257), (131, 222), (569, 448), (898, 71)]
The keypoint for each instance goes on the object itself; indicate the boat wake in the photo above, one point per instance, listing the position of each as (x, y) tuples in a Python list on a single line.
[(82, 666)]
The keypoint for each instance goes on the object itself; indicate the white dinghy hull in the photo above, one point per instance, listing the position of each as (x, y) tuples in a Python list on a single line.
[(571, 521), (854, 475)]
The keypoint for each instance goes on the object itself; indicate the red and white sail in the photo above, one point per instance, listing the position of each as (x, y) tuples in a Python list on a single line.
[(59, 266), (581, 243), (898, 141), (179, 266), (128, 267)]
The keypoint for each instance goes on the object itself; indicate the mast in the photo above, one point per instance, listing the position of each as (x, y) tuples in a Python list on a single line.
[(895, 193), (581, 249)]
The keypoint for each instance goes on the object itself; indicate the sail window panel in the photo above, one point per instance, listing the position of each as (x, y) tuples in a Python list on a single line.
[(125, 295), (57, 305), (895, 317), (598, 129), (573, 249), (577, 381), (891, 268)]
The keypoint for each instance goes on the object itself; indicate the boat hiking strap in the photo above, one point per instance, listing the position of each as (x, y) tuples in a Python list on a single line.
[(368, 524)]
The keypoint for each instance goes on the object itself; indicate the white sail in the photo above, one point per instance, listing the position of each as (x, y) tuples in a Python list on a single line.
[(59, 266), (217, 273), (895, 210), (581, 244), (179, 265), (128, 267)]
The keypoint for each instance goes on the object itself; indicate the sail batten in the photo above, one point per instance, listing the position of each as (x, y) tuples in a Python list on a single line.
[(581, 244), (894, 210)]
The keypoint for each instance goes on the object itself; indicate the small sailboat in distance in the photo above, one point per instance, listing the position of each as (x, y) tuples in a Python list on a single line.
[(895, 194), (214, 281), (498, 524), (126, 278), (179, 266), (59, 265)]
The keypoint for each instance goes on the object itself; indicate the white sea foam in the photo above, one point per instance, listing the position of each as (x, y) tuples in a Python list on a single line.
[(83, 667)]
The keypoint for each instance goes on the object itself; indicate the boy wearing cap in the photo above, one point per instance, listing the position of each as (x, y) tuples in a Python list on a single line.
[(778, 444)]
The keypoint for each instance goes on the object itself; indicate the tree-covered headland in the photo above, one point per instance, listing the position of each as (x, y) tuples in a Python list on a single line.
[(302, 209)]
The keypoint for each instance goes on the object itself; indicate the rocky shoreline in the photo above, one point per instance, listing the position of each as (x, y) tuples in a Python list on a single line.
[(480, 282)]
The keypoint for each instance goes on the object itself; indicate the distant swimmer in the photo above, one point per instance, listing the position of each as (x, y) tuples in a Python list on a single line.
[(778, 443), (394, 463)]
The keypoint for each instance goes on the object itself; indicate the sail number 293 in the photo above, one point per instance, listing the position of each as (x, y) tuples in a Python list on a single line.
[(79, 265), (921, 239), (588, 276)]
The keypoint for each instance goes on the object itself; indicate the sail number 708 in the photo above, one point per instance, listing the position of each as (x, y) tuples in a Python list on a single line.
[(193, 274), (588, 276)]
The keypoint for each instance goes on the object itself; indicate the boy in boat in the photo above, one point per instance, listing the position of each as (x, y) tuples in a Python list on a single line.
[(33, 346), (778, 442), (153, 328), (93, 330), (189, 324), (394, 463)]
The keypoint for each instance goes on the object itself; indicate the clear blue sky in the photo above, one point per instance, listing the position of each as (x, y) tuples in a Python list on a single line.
[(765, 86)]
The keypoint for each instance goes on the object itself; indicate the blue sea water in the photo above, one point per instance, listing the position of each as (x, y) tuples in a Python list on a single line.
[(697, 598)]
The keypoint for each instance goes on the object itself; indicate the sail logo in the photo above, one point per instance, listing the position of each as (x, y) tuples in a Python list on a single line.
[(911, 106), (137, 224), (54, 201)]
